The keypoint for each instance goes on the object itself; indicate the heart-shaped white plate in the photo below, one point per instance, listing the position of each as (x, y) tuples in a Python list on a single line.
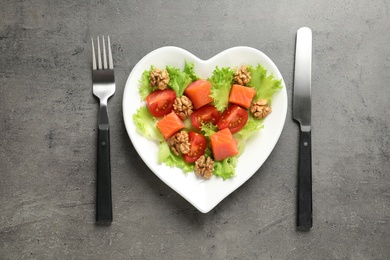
[(205, 194)]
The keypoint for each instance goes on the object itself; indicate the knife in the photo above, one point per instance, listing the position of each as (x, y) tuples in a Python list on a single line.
[(302, 114)]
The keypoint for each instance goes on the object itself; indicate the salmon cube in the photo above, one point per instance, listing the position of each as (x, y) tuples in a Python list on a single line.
[(242, 95), (169, 125), (223, 144), (199, 92)]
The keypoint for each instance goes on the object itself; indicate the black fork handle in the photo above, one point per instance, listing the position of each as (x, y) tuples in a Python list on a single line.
[(103, 196)]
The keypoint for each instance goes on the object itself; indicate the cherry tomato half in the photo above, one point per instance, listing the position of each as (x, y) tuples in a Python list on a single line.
[(198, 145), (205, 114), (233, 118), (160, 102)]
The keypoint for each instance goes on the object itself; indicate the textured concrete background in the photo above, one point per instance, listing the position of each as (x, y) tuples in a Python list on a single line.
[(49, 116)]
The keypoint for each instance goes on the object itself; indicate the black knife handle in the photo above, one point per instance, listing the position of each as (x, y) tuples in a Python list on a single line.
[(305, 208), (103, 196)]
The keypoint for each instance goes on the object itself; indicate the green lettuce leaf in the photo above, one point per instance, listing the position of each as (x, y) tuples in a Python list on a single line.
[(145, 88), (251, 127), (221, 82), (208, 129), (225, 168), (208, 152), (146, 124), (178, 80), (166, 156), (266, 86), (188, 125), (189, 70)]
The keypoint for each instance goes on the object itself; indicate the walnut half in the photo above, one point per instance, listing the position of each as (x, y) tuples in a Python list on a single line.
[(183, 107), (180, 143), (204, 167), (159, 78), (242, 76), (260, 109)]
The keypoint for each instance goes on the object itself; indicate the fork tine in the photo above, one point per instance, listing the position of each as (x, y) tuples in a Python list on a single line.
[(99, 55), (104, 55), (110, 63), (93, 56)]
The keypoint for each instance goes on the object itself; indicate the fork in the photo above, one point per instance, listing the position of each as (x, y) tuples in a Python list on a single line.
[(103, 87)]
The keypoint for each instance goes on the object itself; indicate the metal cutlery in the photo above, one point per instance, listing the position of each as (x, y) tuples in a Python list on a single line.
[(302, 114), (103, 88)]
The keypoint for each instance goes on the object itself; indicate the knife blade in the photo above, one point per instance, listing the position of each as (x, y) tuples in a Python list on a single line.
[(302, 114)]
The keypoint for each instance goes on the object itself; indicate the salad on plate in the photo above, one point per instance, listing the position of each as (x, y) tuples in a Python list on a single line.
[(202, 125)]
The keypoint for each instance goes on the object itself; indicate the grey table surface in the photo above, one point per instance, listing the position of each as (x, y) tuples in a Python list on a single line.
[(49, 133)]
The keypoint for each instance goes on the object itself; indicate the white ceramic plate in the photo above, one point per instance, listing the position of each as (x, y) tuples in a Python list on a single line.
[(205, 194)]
